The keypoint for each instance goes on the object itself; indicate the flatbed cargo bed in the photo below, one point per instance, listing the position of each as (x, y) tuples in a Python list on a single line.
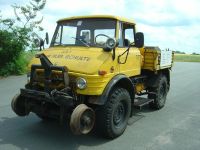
[(156, 59)]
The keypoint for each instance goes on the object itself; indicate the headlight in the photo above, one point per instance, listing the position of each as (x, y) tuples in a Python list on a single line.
[(81, 83), (28, 77), (111, 43)]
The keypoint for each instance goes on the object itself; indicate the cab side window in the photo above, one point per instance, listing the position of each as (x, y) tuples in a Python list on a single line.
[(129, 35), (126, 34)]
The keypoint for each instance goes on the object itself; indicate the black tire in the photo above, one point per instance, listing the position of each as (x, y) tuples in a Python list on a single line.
[(18, 105), (112, 118), (160, 93)]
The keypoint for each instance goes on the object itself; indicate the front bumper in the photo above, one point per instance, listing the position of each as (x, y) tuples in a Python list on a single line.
[(58, 105), (48, 89), (56, 97), (46, 99)]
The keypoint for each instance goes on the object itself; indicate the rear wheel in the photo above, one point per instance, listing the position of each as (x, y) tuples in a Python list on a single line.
[(160, 93), (112, 118)]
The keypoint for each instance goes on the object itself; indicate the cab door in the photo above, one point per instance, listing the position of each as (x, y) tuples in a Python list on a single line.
[(129, 58)]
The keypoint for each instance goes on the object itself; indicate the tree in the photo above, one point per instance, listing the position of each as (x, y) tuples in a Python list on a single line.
[(179, 52), (195, 53), (19, 33), (26, 24)]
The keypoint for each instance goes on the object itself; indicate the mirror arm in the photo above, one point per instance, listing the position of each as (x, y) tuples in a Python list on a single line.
[(47, 38), (127, 52), (45, 41), (41, 44), (40, 48), (113, 55)]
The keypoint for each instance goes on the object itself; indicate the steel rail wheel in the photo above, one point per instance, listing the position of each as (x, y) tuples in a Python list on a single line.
[(18, 105), (82, 119)]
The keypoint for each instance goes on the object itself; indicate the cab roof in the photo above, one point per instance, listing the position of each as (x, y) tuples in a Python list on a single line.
[(99, 16)]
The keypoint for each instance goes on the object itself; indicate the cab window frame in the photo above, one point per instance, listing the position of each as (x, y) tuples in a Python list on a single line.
[(122, 32)]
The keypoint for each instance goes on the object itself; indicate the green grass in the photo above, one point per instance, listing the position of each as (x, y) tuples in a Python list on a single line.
[(29, 55), (18, 66), (186, 58)]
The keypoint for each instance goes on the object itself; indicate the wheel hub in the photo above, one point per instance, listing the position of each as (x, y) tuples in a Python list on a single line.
[(162, 92), (119, 114)]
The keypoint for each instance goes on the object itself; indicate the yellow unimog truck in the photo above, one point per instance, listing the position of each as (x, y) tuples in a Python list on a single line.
[(94, 74)]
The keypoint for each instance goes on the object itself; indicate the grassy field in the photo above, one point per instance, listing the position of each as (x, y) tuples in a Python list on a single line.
[(186, 58)]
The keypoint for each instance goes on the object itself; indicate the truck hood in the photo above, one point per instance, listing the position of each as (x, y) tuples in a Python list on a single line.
[(86, 60)]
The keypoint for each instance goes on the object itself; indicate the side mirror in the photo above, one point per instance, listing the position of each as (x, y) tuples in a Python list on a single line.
[(47, 38), (36, 42), (139, 40), (110, 44), (39, 43)]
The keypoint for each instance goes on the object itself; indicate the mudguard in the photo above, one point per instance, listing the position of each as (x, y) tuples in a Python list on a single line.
[(118, 80)]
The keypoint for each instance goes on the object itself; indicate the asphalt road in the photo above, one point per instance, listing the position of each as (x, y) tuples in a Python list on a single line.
[(175, 127)]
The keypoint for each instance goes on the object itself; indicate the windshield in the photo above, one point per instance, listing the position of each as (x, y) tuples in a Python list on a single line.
[(84, 32)]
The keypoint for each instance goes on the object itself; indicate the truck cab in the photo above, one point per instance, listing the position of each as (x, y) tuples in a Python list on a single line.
[(94, 73)]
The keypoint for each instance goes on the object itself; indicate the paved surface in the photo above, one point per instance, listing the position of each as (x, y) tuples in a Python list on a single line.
[(175, 127)]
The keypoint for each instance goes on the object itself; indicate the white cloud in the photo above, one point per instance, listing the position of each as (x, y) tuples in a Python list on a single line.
[(166, 23), (66, 8)]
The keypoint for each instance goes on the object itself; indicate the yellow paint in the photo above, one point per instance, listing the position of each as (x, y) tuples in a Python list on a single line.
[(139, 87), (99, 16), (151, 59), (84, 62), (87, 61), (132, 67)]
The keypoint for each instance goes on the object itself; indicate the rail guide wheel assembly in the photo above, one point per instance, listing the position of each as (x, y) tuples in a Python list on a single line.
[(82, 119)]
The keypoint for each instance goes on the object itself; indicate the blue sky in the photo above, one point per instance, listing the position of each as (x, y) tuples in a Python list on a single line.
[(170, 24)]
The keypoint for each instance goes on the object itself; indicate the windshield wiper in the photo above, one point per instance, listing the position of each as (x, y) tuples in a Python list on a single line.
[(81, 41)]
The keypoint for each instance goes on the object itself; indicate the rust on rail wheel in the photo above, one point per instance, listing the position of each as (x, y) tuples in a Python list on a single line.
[(82, 119)]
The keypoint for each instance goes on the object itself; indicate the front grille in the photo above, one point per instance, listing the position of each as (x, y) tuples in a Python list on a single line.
[(54, 77)]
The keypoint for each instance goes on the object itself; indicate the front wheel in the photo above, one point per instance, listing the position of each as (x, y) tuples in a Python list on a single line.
[(160, 94), (112, 118)]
